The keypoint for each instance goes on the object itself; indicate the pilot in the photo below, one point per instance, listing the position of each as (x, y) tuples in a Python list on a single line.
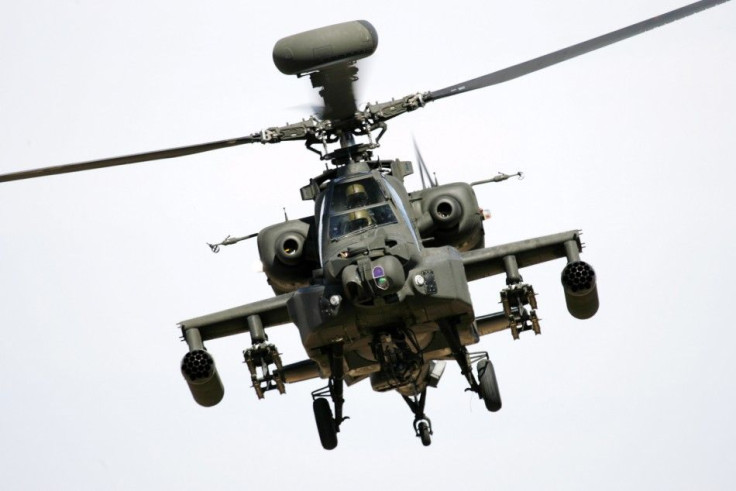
[(358, 219), (355, 196)]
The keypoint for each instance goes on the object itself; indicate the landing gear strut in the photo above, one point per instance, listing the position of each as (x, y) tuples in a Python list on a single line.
[(487, 388), (328, 426), (422, 424)]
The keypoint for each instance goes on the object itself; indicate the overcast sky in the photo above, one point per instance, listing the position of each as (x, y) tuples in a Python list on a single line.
[(634, 144)]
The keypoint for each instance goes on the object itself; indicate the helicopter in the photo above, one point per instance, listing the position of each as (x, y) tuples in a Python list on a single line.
[(376, 279)]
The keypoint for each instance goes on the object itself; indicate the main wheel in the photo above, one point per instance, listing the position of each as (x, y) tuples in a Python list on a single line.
[(424, 434), (488, 385), (325, 423)]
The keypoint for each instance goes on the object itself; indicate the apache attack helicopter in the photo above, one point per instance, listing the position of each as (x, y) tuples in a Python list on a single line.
[(376, 280)]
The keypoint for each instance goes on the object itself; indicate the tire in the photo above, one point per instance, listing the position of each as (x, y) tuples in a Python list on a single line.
[(424, 434), (488, 385), (325, 423)]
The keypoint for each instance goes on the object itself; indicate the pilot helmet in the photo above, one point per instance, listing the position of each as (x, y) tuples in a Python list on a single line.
[(355, 195), (359, 219)]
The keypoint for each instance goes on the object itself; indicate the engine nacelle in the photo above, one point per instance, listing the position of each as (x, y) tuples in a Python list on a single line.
[(326, 46), (581, 291), (198, 368), (450, 216), (289, 254)]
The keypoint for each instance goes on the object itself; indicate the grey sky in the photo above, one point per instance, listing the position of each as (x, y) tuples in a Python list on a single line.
[(634, 144)]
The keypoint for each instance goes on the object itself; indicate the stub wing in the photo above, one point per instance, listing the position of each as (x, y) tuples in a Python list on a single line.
[(490, 261), (272, 312), (518, 298)]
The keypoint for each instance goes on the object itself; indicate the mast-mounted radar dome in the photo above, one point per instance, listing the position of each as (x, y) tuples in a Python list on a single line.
[(324, 47)]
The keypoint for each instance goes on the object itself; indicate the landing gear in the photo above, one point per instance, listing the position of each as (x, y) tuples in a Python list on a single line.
[(328, 426), (325, 423), (422, 424), (424, 434), (488, 385)]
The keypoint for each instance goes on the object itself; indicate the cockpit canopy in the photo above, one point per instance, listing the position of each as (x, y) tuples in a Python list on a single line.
[(357, 205)]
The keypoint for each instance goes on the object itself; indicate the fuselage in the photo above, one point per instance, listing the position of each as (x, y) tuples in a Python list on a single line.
[(380, 292)]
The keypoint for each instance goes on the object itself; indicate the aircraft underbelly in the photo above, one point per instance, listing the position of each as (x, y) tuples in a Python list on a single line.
[(435, 293)]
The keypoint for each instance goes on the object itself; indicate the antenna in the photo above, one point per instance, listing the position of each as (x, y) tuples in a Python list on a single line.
[(423, 167)]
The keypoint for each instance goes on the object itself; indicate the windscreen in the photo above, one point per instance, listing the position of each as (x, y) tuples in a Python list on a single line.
[(358, 205)]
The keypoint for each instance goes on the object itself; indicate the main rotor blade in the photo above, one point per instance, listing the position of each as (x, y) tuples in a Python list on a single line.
[(128, 159), (550, 59)]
